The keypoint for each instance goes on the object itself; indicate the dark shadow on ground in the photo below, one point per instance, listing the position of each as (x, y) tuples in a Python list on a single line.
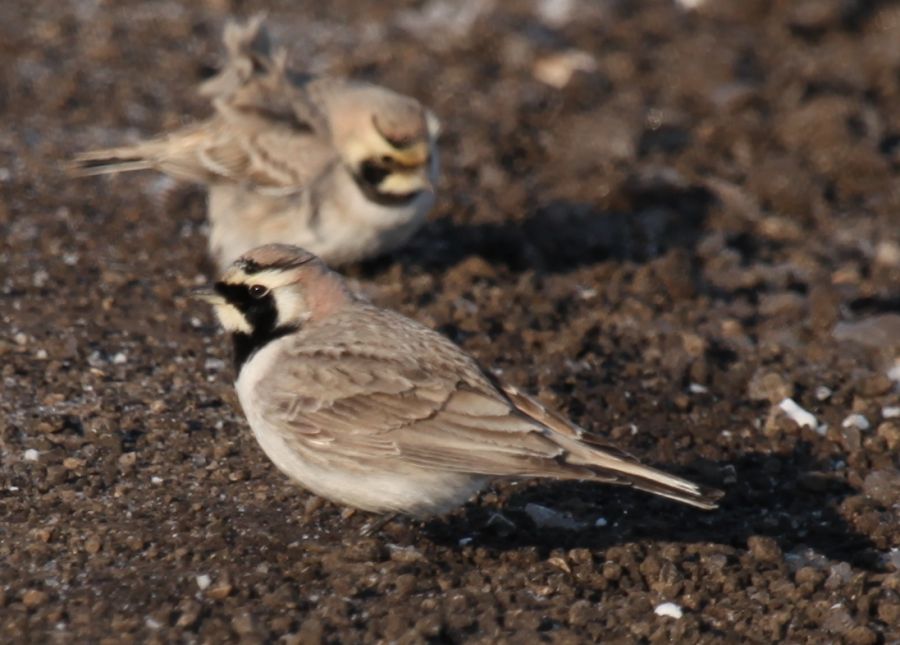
[(789, 498), (560, 236)]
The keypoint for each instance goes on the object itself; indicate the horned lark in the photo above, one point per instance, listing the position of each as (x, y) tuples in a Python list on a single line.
[(368, 408), (343, 168)]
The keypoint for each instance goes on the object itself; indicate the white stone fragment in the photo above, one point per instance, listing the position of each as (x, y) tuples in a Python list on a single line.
[(601, 522), (214, 365), (856, 421), (696, 388), (556, 70), (120, 359), (556, 13), (823, 393), (894, 372), (203, 581), (890, 412), (669, 609), (800, 416), (156, 480), (32, 455)]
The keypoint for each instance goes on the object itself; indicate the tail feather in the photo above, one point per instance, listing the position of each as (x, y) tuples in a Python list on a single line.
[(587, 457), (111, 160), (618, 467)]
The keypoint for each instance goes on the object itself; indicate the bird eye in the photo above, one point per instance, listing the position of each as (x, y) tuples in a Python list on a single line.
[(258, 291)]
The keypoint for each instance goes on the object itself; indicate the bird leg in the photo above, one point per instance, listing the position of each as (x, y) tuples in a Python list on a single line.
[(376, 526)]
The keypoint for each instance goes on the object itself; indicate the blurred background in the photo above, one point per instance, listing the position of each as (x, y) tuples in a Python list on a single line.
[(675, 221)]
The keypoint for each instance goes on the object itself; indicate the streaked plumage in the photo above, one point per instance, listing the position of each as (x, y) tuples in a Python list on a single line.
[(369, 408), (344, 168)]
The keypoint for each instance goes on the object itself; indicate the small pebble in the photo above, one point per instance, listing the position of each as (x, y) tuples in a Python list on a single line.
[(890, 412), (34, 598), (823, 393), (120, 359), (856, 421), (203, 581), (32, 455), (797, 414), (669, 609)]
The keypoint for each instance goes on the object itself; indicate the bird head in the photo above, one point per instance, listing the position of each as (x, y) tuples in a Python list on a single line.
[(275, 289), (387, 141)]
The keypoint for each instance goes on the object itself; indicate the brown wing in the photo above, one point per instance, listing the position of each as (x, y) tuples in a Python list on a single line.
[(367, 410)]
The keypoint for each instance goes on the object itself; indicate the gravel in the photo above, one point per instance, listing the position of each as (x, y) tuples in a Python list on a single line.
[(696, 221)]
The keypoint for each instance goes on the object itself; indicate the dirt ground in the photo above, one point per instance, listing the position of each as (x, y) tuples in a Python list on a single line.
[(700, 222)]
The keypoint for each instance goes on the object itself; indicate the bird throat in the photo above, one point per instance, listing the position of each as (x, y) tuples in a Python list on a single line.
[(369, 187), (246, 345)]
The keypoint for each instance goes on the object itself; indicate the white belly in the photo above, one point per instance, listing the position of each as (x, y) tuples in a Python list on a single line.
[(404, 489)]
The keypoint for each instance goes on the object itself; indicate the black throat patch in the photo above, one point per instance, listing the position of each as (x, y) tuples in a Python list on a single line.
[(262, 317), (370, 175)]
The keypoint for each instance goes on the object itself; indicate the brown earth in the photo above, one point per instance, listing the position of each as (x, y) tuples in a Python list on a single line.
[(700, 224)]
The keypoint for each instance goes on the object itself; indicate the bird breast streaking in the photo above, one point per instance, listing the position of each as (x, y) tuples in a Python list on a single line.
[(370, 409), (344, 168)]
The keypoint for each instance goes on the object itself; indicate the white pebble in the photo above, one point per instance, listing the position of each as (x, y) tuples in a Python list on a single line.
[(669, 609), (120, 359), (20, 338), (556, 13), (32, 455), (156, 480), (152, 623), (800, 416), (556, 70), (823, 393), (894, 372), (203, 581), (696, 388), (214, 364), (856, 421), (41, 354), (890, 412), (465, 541), (601, 521)]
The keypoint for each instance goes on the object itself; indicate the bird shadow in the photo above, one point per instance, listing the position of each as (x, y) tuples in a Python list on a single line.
[(559, 236), (790, 498)]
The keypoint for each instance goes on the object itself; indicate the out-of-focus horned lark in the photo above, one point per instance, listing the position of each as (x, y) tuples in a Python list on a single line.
[(344, 168), (370, 409)]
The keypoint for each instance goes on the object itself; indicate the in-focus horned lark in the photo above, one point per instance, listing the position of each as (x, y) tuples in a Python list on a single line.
[(344, 168), (370, 409)]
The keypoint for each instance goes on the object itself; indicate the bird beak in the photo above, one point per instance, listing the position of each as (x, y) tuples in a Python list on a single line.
[(207, 295), (413, 156)]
